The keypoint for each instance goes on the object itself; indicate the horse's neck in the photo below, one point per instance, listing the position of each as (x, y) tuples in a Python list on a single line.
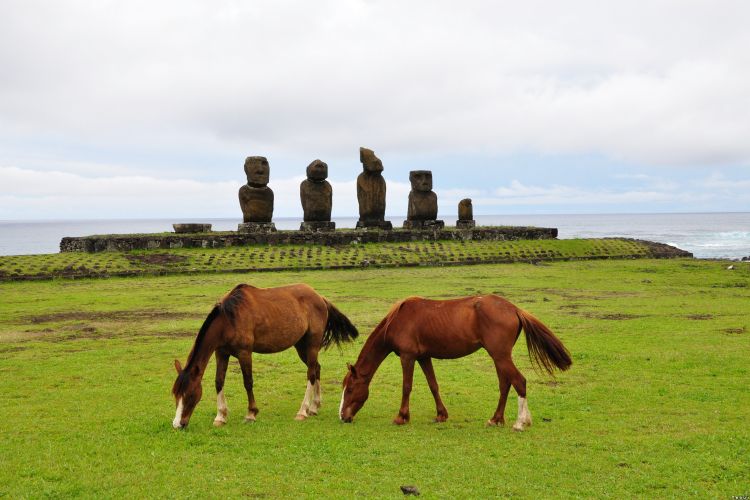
[(202, 358), (373, 353), (207, 347)]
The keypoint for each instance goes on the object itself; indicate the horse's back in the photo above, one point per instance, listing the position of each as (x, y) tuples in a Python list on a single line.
[(279, 317), (451, 328)]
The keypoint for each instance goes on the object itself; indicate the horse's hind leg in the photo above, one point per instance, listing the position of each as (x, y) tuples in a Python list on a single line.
[(509, 375), (222, 361), (524, 415), (311, 402), (246, 364), (317, 397), (429, 373), (504, 371)]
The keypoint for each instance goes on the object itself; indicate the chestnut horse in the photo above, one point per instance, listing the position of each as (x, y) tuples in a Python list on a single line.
[(262, 320), (418, 329)]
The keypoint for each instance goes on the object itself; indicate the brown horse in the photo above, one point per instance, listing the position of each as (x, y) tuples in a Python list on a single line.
[(263, 320), (418, 329)]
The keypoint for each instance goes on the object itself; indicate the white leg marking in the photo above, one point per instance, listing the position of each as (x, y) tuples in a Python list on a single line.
[(304, 409), (524, 416), (317, 398), (178, 415), (341, 405), (221, 409), (527, 413)]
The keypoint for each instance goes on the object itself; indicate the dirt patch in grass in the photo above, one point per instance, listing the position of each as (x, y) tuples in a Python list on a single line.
[(615, 316), (82, 332), (699, 317), (156, 258), (735, 331), (570, 306), (129, 316)]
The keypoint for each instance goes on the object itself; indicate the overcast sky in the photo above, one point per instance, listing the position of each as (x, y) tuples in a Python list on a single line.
[(134, 109)]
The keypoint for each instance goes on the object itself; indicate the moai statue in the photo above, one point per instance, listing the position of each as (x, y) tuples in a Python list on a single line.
[(465, 215), (316, 195), (256, 198), (371, 192), (422, 212)]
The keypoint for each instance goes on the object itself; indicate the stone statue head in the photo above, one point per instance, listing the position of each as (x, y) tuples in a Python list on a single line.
[(317, 171), (257, 170), (421, 180), (370, 162)]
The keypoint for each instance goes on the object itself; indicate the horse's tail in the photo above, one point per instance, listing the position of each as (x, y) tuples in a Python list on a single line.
[(545, 349), (338, 328)]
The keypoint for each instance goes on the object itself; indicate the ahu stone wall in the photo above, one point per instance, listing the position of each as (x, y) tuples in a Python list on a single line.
[(124, 243)]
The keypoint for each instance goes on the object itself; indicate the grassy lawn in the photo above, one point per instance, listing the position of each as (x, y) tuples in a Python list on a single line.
[(656, 403)]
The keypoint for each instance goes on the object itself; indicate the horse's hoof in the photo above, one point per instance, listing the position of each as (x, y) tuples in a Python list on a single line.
[(441, 418), (250, 419), (300, 417), (518, 427), (219, 423), (495, 423), (400, 421)]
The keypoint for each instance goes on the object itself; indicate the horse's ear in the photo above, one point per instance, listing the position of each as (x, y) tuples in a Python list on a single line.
[(177, 366), (351, 368)]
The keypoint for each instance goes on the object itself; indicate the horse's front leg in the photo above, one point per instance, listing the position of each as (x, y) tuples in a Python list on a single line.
[(246, 364), (429, 373), (407, 366), (222, 361)]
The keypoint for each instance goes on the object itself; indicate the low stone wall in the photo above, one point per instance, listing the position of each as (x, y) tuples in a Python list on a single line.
[(124, 243)]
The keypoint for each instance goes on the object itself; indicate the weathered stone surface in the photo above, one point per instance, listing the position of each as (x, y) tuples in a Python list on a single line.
[(191, 228), (424, 225), (465, 214), (256, 227), (216, 240), (256, 198), (371, 192), (422, 209), (422, 199), (465, 209), (316, 193), (465, 224), (314, 226)]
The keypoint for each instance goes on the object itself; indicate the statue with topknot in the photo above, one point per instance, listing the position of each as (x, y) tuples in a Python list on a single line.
[(371, 192), (316, 196), (423, 208), (256, 198)]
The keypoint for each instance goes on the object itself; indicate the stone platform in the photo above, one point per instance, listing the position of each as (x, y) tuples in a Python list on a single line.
[(127, 242)]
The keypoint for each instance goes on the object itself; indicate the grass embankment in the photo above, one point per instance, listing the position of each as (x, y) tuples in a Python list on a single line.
[(299, 257), (656, 403)]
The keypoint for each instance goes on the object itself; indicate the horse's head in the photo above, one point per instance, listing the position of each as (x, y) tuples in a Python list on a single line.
[(187, 392), (356, 391)]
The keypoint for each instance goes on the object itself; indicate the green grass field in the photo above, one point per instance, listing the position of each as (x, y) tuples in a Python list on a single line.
[(309, 257), (656, 403)]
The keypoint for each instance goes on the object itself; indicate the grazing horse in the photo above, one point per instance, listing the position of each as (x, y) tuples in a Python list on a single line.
[(418, 329), (263, 320)]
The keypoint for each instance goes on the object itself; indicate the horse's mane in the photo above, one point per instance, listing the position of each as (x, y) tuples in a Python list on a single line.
[(227, 306), (385, 323)]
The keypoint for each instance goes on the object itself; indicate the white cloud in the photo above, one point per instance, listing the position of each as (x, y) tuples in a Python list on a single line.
[(646, 82)]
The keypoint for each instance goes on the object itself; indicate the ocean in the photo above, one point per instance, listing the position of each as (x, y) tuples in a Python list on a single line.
[(706, 235)]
